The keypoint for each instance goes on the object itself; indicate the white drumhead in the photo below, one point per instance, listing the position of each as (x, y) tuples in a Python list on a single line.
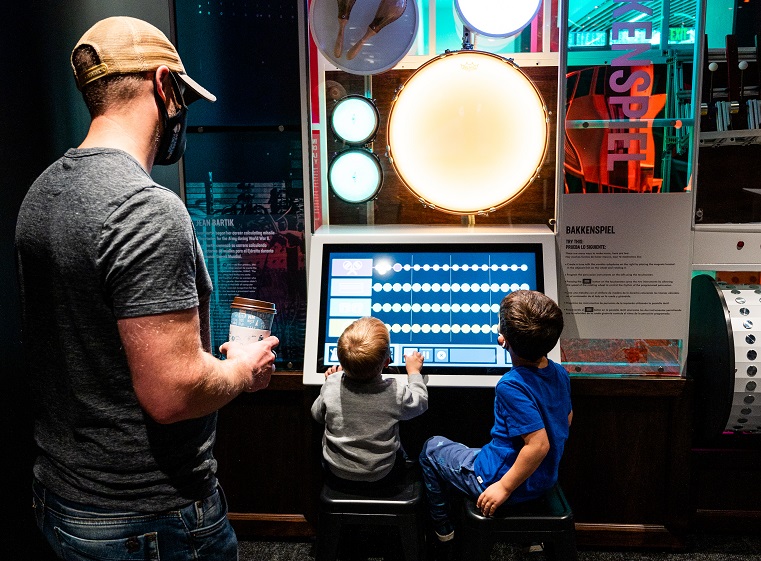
[(355, 175), (467, 132), (497, 18), (354, 120)]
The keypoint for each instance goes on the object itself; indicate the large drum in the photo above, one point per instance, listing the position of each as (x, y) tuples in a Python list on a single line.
[(724, 346), (467, 132)]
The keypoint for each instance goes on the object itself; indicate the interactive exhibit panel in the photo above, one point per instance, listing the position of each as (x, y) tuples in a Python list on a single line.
[(437, 289)]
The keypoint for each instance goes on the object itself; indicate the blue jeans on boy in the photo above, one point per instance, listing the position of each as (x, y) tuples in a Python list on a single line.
[(446, 464), (78, 532)]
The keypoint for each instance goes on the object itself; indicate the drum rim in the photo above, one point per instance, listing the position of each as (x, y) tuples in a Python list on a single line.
[(544, 151)]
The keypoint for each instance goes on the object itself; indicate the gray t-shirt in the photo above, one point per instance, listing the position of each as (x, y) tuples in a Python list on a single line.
[(362, 422), (98, 240)]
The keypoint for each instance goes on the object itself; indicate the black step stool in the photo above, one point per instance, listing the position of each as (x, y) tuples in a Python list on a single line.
[(548, 520), (399, 505)]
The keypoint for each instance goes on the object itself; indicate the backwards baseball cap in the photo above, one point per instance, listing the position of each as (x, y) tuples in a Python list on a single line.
[(128, 45)]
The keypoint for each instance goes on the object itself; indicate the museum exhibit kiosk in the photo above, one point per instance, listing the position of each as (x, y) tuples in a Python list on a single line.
[(473, 164)]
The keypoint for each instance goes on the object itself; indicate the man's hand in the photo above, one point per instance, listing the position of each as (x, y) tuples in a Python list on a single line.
[(258, 356), (490, 500)]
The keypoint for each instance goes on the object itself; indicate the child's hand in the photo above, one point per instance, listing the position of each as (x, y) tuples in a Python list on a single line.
[(413, 363), (333, 370), (494, 495)]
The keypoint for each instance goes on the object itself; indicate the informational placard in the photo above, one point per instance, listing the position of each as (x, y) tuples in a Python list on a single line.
[(625, 262), (620, 279)]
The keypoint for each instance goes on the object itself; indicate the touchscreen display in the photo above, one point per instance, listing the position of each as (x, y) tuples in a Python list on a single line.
[(441, 300)]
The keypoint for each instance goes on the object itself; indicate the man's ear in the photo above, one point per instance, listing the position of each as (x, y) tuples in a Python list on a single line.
[(163, 81)]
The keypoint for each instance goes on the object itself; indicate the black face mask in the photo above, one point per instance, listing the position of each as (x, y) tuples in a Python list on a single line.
[(173, 139)]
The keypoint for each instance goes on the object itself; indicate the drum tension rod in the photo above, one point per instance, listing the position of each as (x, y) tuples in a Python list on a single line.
[(467, 38)]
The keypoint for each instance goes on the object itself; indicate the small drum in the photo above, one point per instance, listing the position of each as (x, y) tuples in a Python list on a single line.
[(725, 338), (467, 132), (355, 175), (354, 120)]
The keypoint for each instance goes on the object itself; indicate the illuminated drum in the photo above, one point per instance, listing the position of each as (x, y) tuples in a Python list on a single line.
[(497, 18), (725, 336), (355, 175), (467, 132), (354, 120)]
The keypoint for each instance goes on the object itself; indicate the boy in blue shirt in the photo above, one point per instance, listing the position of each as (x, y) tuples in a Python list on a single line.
[(532, 416)]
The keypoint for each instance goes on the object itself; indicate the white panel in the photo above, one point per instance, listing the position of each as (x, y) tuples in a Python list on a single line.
[(739, 250)]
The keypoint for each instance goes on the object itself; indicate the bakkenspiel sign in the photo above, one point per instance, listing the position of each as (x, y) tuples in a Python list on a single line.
[(589, 230)]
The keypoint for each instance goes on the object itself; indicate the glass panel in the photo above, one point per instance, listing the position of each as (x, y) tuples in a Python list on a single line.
[(590, 23), (622, 356), (250, 61), (631, 107), (730, 140), (630, 97)]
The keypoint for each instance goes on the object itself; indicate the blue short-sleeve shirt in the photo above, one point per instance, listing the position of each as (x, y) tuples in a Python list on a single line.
[(527, 400)]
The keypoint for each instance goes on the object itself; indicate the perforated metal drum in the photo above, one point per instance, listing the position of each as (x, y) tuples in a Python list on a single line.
[(725, 343), (744, 305)]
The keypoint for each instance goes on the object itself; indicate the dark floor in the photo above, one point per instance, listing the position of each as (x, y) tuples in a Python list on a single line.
[(703, 547)]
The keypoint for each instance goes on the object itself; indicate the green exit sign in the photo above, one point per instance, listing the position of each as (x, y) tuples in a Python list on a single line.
[(679, 34)]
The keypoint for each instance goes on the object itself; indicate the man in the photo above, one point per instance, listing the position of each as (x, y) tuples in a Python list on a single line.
[(116, 322)]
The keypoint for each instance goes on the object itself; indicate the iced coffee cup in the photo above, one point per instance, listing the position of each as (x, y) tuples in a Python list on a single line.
[(250, 320)]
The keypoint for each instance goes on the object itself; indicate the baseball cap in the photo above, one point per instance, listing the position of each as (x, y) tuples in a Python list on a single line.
[(128, 45)]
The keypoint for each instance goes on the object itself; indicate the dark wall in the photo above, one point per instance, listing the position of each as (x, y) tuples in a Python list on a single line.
[(20, 147), (41, 115)]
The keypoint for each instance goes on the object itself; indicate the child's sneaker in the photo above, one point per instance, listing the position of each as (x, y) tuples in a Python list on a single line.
[(445, 531)]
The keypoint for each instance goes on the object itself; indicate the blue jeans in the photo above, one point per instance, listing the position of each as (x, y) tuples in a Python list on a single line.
[(446, 464), (78, 532)]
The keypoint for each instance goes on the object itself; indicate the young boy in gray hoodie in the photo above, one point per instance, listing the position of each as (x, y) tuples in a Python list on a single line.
[(361, 410)]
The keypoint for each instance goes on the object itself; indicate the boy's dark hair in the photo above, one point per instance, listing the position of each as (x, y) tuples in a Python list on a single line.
[(363, 348), (530, 322)]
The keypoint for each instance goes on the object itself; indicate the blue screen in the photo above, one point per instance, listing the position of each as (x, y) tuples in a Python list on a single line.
[(440, 300)]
